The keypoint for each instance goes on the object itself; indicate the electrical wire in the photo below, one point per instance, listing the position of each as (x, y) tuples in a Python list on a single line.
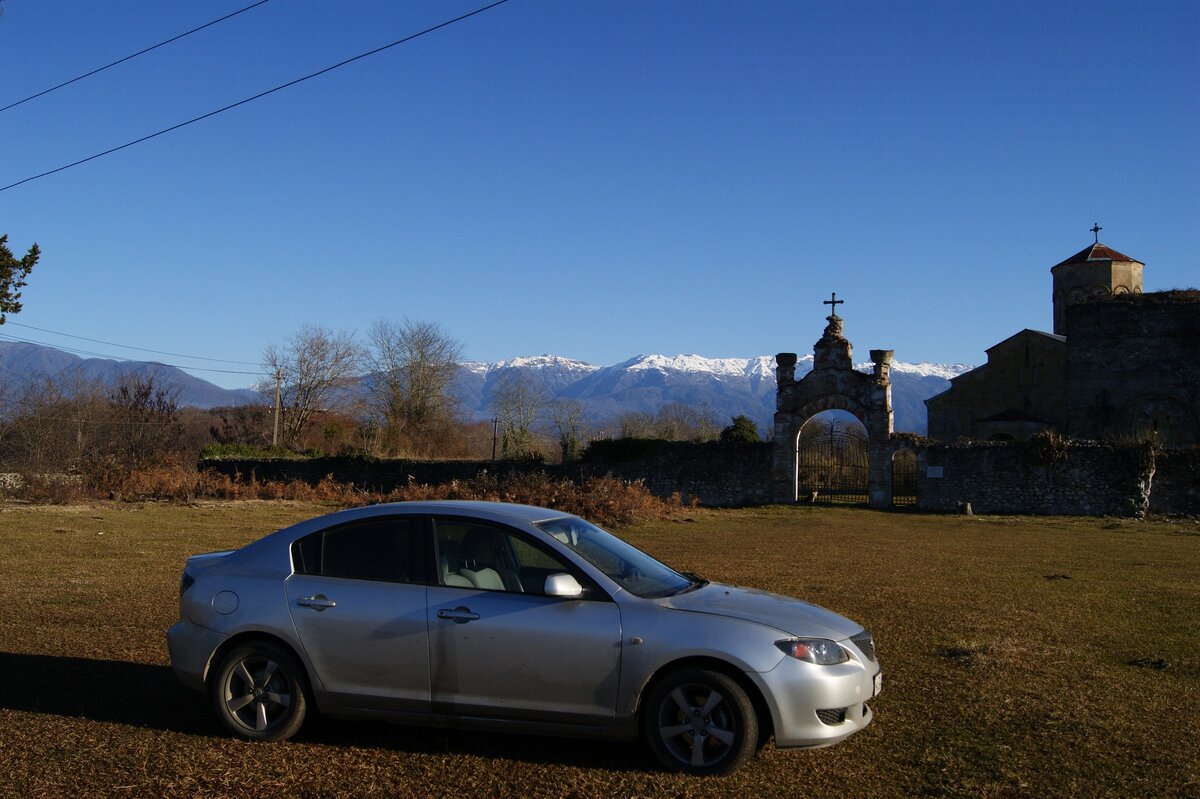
[(128, 57), (258, 96), (130, 347)]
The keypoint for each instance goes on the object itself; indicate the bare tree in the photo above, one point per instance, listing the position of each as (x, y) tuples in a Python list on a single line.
[(674, 421), (145, 420), (567, 416), (412, 364), (317, 367), (517, 403), (56, 424)]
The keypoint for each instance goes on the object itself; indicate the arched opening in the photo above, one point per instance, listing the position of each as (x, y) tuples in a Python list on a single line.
[(832, 461), (904, 477)]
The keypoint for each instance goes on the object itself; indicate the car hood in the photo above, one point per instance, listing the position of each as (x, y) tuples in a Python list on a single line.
[(793, 616)]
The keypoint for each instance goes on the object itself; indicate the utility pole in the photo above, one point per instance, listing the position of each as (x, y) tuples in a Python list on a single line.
[(278, 392), (495, 426)]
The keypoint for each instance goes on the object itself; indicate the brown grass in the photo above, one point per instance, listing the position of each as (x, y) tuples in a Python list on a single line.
[(1022, 657)]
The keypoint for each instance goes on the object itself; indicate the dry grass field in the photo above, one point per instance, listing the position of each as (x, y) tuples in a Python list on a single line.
[(1022, 657)]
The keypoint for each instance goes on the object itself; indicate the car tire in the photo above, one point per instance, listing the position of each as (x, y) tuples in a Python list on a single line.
[(259, 691), (701, 722)]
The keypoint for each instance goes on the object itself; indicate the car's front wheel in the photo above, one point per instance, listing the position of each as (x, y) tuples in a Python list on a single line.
[(258, 691), (701, 722)]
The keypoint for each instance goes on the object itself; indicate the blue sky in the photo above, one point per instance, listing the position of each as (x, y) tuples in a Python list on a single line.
[(593, 179)]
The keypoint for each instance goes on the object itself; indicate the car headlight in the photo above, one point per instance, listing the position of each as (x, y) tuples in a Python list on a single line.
[(821, 651)]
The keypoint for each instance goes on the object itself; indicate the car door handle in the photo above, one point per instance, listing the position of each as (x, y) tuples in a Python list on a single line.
[(318, 603), (459, 615)]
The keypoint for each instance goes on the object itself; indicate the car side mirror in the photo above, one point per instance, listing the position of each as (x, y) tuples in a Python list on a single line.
[(563, 585)]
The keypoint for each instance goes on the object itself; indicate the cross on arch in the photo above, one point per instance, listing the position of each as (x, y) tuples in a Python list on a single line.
[(834, 303)]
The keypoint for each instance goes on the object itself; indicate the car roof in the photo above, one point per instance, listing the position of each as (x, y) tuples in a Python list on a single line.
[(501, 512), (496, 511)]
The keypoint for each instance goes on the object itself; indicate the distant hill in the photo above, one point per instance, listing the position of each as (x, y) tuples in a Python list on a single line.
[(22, 363), (727, 387)]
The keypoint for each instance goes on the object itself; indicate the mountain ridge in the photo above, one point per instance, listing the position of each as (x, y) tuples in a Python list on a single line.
[(725, 387)]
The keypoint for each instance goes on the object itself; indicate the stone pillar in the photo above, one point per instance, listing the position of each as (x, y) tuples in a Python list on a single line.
[(883, 364), (785, 370), (879, 428), (783, 462), (879, 474), (783, 459)]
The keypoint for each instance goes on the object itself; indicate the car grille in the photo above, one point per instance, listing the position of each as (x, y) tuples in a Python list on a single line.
[(865, 643), (831, 716)]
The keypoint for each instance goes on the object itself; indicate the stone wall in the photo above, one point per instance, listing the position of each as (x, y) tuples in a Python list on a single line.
[(1176, 484), (1080, 479), (1132, 367), (715, 474), (1023, 376)]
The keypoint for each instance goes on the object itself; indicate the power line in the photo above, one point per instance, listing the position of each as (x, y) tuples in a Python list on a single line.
[(258, 96), (130, 347), (134, 55), (117, 358)]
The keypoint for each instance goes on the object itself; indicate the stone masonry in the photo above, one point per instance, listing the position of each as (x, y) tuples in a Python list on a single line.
[(833, 384)]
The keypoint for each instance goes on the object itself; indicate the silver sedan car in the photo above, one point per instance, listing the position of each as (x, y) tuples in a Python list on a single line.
[(508, 617)]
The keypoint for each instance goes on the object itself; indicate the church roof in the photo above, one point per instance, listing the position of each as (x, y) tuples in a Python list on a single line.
[(1095, 252), (1026, 332)]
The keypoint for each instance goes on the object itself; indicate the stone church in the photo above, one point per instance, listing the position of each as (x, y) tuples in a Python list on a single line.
[(1118, 362)]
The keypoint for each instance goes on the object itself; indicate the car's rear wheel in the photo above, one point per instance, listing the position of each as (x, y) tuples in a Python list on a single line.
[(259, 692), (701, 722)]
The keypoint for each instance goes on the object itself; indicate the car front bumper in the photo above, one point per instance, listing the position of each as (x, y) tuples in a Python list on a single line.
[(814, 706)]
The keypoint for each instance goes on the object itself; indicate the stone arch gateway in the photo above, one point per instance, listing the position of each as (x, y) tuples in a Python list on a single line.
[(833, 384)]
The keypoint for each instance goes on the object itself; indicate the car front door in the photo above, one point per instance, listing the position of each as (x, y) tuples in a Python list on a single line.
[(358, 600), (499, 647)]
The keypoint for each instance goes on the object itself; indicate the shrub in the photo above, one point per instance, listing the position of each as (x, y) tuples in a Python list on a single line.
[(217, 451), (743, 429), (605, 500)]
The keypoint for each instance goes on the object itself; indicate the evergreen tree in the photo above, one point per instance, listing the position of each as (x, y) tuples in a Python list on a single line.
[(742, 429), (13, 272)]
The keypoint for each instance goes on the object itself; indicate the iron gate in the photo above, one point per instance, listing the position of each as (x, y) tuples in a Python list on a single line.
[(904, 477), (832, 464)]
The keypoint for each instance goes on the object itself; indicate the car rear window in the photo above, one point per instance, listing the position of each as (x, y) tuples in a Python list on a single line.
[(377, 549)]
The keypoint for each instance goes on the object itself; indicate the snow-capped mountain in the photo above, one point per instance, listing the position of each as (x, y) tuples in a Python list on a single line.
[(726, 387)]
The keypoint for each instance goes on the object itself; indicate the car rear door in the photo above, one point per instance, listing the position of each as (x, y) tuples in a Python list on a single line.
[(358, 600)]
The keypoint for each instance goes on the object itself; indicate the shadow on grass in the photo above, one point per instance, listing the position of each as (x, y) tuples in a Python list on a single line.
[(116, 691), (142, 695)]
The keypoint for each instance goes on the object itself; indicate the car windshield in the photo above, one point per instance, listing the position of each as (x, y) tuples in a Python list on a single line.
[(629, 567)]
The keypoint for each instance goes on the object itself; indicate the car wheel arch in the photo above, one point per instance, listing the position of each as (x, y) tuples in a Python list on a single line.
[(257, 636), (766, 722)]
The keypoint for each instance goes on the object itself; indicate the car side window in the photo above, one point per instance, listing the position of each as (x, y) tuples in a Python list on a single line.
[(387, 549), (473, 555)]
